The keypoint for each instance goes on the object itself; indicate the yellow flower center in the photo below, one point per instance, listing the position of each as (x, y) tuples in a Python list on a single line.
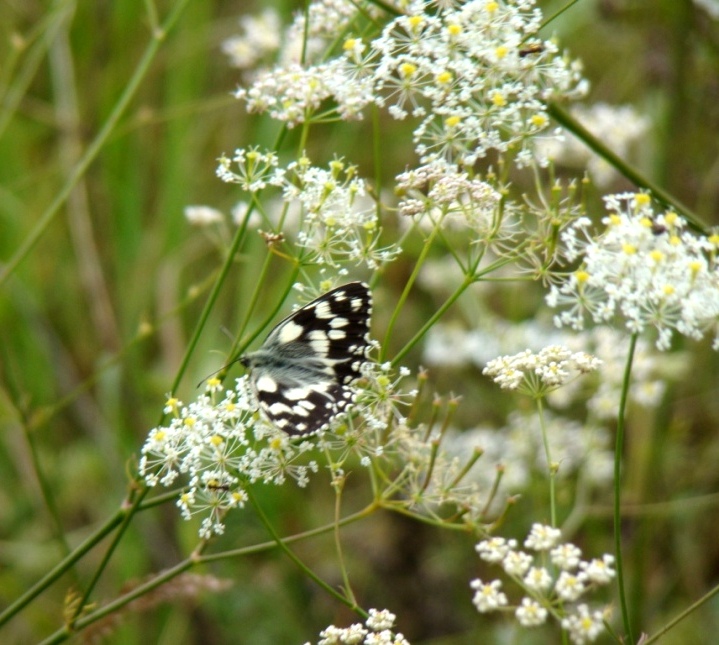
[(498, 99), (642, 199), (415, 22), (407, 70)]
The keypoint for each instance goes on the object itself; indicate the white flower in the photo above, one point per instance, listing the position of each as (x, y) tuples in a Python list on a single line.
[(260, 37), (530, 613), (538, 579), (584, 626), (459, 71), (566, 556), (334, 635), (569, 586), (599, 571), (487, 596), (542, 537), (213, 443), (540, 373), (495, 549), (516, 563), (380, 619)]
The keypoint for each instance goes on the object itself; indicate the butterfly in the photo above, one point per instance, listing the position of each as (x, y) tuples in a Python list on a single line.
[(301, 375)]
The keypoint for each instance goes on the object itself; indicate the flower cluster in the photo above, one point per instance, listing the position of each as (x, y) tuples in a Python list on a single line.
[(219, 443), (553, 577), (475, 76), (216, 443), (441, 194), (377, 630), (540, 373), (453, 346), (335, 226), (647, 267), (323, 208)]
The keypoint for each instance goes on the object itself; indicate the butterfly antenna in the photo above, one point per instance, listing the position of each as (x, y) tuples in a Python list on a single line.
[(222, 369)]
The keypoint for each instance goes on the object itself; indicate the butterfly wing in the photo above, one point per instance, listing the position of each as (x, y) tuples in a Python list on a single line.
[(302, 373)]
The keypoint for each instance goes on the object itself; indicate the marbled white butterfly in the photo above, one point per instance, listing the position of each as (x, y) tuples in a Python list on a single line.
[(302, 372)]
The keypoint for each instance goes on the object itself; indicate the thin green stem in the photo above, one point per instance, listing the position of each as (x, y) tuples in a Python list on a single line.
[(301, 565), (339, 486), (33, 50), (433, 320), (550, 464), (558, 12), (240, 347), (69, 630), (210, 303), (62, 567), (196, 559), (617, 489), (108, 554), (684, 614), (143, 67), (567, 121), (405, 292)]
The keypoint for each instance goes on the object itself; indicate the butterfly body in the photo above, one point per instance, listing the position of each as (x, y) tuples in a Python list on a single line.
[(302, 372)]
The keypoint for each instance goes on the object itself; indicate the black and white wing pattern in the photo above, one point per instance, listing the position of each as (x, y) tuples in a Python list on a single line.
[(302, 372)]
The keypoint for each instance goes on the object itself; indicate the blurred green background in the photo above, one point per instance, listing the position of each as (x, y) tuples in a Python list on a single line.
[(96, 318)]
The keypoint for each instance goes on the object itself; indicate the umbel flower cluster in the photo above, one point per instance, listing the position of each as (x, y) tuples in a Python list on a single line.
[(475, 76), (553, 577), (324, 208), (377, 630), (540, 373), (219, 444), (646, 267)]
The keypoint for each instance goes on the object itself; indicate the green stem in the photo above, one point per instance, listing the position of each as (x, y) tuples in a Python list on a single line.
[(195, 559), (433, 319), (32, 53), (62, 567), (210, 303), (688, 611), (301, 565), (405, 293), (338, 543), (69, 630), (550, 465), (568, 122), (558, 13), (42, 225), (617, 488), (108, 554)]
